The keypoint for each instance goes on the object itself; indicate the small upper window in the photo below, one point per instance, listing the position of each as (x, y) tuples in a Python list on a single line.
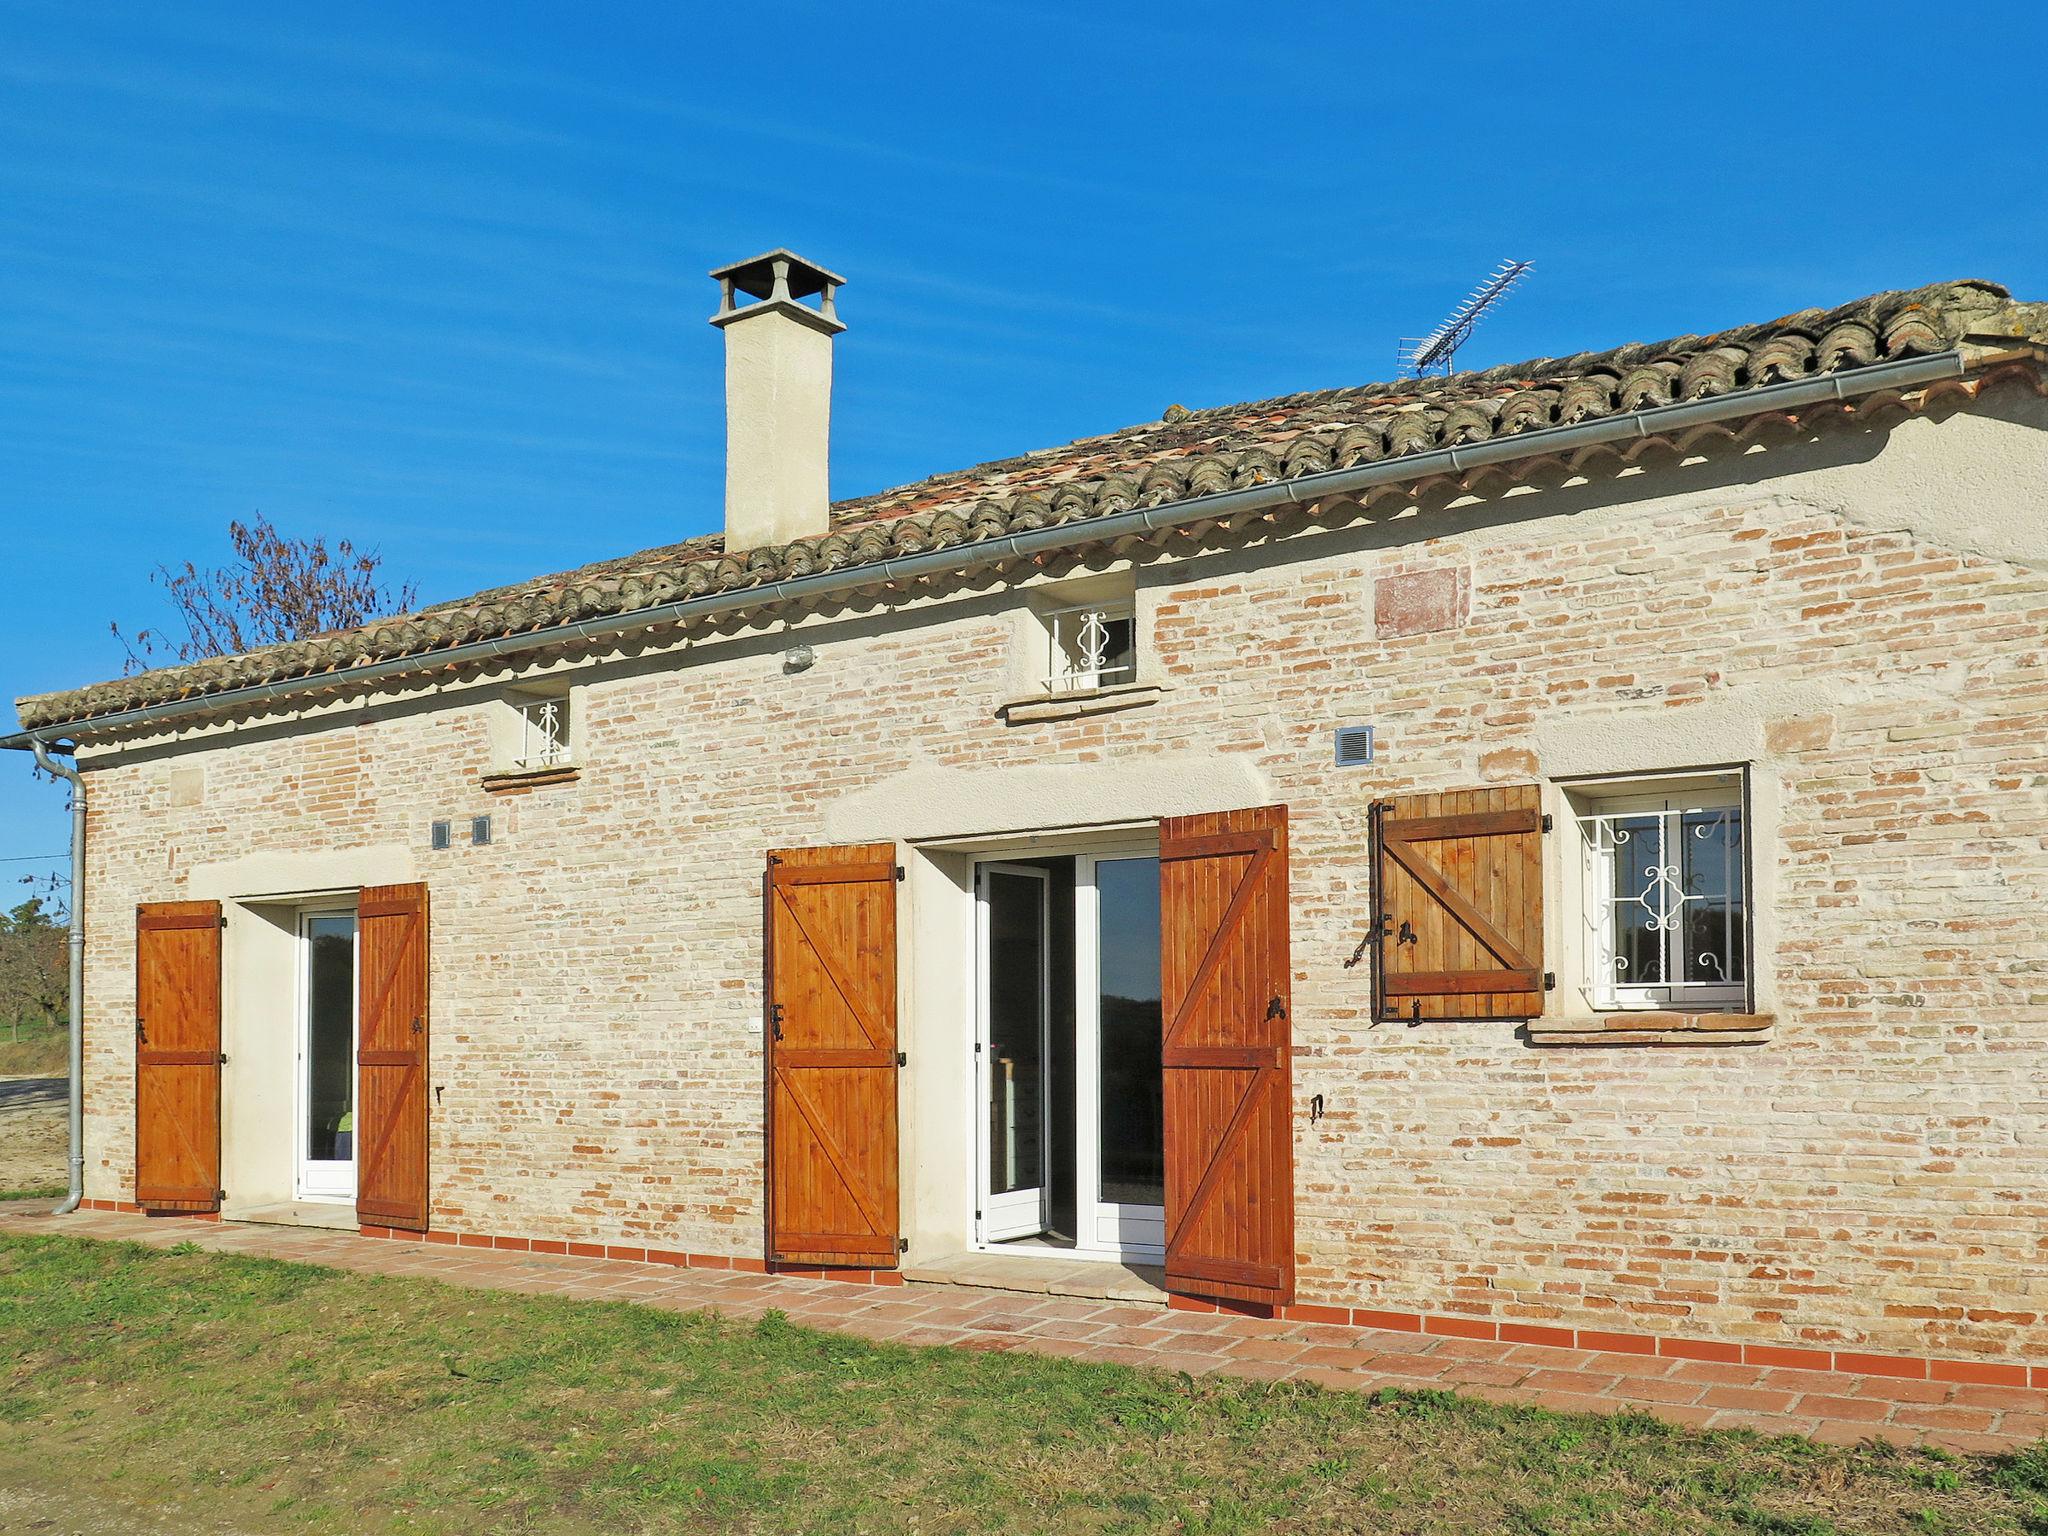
[(543, 732), (534, 730), (1667, 894), (1091, 645)]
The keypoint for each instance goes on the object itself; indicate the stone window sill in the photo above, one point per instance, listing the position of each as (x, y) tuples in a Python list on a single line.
[(1082, 702), (1652, 1027), (511, 780)]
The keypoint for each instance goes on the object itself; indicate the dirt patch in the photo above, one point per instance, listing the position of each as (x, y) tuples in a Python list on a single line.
[(32, 1133), (33, 1498), (37, 1053)]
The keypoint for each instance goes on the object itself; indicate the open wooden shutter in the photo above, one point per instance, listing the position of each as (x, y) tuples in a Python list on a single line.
[(1226, 1055), (391, 1057), (177, 1056), (832, 1056), (1458, 889)]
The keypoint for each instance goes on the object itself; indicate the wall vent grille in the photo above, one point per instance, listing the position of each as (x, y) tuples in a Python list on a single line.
[(1354, 746)]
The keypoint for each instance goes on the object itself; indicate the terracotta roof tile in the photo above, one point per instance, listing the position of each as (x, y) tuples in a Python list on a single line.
[(1183, 455)]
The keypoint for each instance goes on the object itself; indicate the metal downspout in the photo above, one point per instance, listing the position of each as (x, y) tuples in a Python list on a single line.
[(76, 780)]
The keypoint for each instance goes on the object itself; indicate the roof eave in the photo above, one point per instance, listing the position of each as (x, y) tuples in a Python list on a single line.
[(1897, 374)]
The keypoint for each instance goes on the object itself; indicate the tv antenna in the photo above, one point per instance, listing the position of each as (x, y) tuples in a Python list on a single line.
[(1421, 356)]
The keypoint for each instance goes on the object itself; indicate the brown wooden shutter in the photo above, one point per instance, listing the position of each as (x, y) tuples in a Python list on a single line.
[(831, 934), (1458, 888), (177, 1056), (391, 1057), (1226, 1055)]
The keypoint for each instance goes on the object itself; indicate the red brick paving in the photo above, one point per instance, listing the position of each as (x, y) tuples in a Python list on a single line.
[(1782, 1397)]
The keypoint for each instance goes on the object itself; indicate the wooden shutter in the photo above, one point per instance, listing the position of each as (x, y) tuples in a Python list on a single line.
[(177, 1056), (831, 934), (391, 1057), (1225, 1053), (1458, 888)]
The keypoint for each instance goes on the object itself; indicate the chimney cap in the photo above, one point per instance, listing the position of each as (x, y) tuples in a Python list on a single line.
[(756, 275), (777, 279)]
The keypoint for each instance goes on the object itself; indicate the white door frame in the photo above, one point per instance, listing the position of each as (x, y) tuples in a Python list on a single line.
[(1109, 1230), (322, 1180), (1017, 1212), (1107, 1227)]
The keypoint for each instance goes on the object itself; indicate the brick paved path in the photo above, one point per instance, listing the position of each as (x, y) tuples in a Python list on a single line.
[(1828, 1405)]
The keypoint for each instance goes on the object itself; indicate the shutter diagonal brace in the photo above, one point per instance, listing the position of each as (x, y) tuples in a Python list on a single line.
[(819, 952), (830, 1148), (1431, 879), (1261, 849), (1232, 1133)]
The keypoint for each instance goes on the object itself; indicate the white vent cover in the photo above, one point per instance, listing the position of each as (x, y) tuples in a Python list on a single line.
[(1354, 746)]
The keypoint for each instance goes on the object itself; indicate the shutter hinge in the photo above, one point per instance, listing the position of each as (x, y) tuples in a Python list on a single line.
[(902, 1058), (899, 871), (903, 1245), (220, 1194), (223, 1061), (1546, 821), (1550, 981), (223, 919)]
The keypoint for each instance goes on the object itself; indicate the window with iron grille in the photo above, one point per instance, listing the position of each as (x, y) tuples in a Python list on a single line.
[(1667, 892), (543, 732), (1091, 645)]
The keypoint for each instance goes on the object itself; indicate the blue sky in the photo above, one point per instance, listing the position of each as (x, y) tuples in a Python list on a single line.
[(433, 277)]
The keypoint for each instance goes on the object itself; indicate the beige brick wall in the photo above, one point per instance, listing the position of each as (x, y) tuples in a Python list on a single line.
[(1877, 1173)]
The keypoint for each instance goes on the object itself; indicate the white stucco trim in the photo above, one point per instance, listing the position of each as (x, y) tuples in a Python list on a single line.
[(276, 875), (924, 804)]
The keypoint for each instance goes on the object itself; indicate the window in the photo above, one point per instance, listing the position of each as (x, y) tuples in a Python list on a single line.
[(1091, 645), (1666, 898), (536, 731), (543, 732)]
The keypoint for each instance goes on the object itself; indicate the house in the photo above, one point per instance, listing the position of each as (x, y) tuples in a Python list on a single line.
[(1556, 848)]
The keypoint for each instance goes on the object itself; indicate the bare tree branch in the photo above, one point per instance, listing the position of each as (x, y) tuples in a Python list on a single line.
[(276, 589)]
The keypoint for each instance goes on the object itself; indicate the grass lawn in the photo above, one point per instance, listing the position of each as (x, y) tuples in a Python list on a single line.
[(261, 1396)]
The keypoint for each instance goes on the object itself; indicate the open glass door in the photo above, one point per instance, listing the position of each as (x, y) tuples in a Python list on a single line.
[(1011, 1050), (1121, 1125), (325, 1119)]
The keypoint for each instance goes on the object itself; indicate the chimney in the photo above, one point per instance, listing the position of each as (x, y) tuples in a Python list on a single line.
[(778, 398)]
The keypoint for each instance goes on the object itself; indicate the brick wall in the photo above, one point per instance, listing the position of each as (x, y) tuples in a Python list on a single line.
[(1877, 1174)]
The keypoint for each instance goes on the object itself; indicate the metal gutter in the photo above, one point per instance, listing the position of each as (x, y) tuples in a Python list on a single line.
[(1902, 373), (75, 1191)]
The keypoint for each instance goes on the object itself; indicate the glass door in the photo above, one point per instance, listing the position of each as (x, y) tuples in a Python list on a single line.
[(325, 1120), (1120, 1124), (1011, 1049)]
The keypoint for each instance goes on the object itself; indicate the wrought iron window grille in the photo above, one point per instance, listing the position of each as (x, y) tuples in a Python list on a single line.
[(543, 733), (1666, 901), (1091, 645)]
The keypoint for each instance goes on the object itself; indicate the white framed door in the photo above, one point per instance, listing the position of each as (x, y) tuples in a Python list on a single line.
[(323, 1117), (1119, 1140), (1012, 1050)]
